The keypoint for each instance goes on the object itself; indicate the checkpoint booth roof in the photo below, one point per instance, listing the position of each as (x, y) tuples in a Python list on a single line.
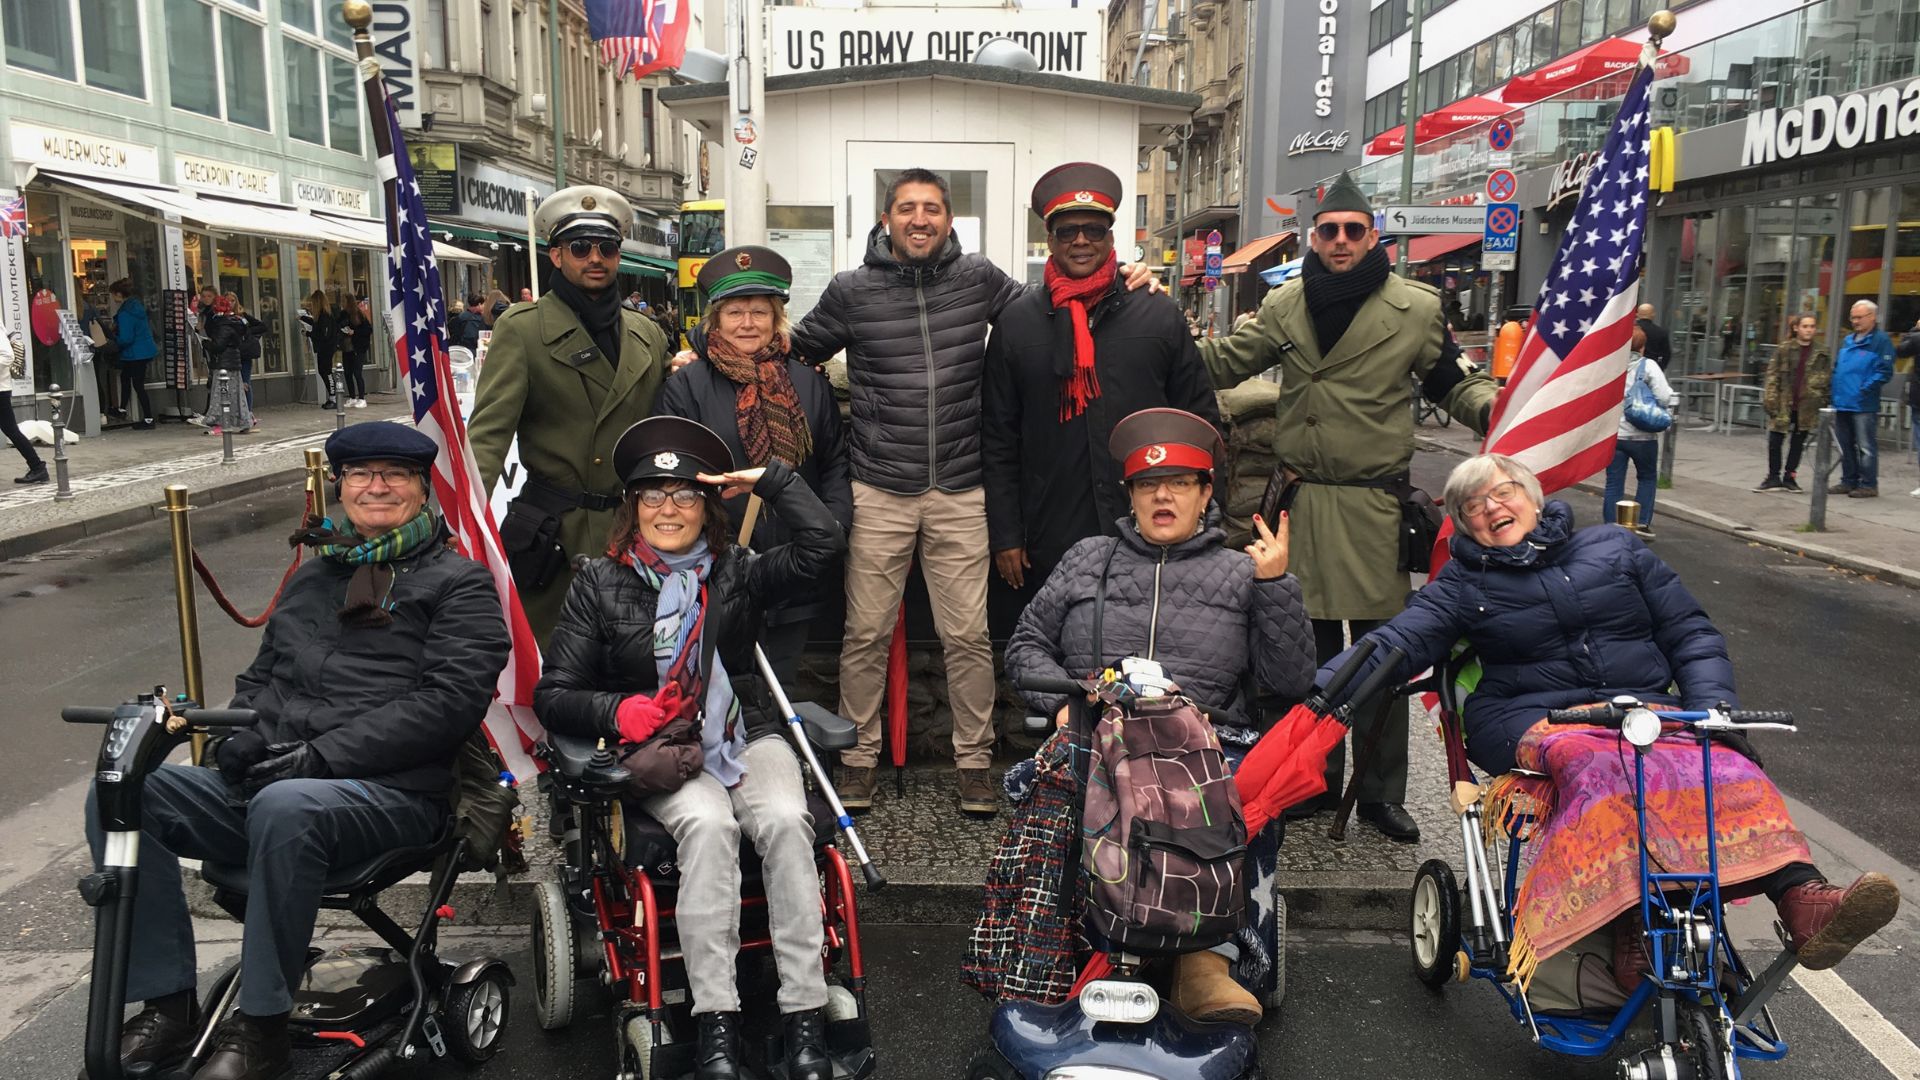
[(830, 140)]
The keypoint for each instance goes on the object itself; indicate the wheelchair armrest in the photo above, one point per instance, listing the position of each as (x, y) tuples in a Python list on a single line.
[(1037, 725), (825, 729), (572, 757)]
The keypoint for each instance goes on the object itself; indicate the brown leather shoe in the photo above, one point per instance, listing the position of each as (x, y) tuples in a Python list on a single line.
[(153, 1040), (856, 784), (978, 793), (1824, 922), (249, 1048), (1205, 990)]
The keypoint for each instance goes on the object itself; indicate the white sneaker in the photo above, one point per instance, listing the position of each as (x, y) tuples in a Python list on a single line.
[(360, 403), (1915, 493)]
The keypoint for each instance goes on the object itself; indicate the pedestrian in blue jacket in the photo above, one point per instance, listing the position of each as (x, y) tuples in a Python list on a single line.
[(1864, 365)]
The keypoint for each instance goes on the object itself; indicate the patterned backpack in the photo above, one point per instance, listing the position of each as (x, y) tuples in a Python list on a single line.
[(1162, 838)]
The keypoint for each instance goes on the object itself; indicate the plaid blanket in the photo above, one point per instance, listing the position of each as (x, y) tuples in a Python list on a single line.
[(1578, 817)]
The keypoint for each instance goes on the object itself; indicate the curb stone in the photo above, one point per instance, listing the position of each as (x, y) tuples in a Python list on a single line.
[(67, 532)]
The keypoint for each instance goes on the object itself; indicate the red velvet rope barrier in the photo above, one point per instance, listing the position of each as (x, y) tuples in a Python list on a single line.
[(226, 605)]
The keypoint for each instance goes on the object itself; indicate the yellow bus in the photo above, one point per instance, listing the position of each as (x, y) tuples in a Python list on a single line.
[(703, 234)]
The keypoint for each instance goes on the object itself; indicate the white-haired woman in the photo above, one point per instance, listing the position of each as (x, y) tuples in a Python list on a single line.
[(1559, 618), (764, 404)]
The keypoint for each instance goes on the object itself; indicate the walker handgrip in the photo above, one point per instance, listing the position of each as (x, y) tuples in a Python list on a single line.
[(1598, 715), (87, 714), (1356, 660), (874, 880), (221, 717), (1760, 716), (1378, 678)]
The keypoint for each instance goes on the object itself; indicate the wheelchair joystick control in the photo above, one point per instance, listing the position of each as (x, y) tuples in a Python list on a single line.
[(604, 769)]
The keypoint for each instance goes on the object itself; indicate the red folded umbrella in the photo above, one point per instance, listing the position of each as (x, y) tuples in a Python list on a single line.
[(897, 691)]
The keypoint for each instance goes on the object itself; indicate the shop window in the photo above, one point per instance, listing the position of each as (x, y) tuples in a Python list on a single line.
[(243, 60), (306, 102), (111, 46), (37, 40), (343, 105), (195, 84), (334, 24), (1903, 293), (299, 13), (1569, 19), (1503, 56), (1546, 40), (1171, 211)]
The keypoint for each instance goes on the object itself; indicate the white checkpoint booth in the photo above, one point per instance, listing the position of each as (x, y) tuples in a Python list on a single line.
[(829, 141)]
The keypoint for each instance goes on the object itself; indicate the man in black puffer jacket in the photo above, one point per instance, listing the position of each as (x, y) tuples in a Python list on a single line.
[(913, 321), (377, 665)]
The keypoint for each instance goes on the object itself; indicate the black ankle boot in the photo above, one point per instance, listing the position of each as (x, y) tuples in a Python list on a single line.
[(35, 475), (807, 1046), (249, 1048), (718, 1057)]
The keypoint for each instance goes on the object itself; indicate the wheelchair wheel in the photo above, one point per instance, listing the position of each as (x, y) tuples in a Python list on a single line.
[(553, 957), (635, 1035), (841, 1004), (1703, 1042), (1435, 923), (476, 1017)]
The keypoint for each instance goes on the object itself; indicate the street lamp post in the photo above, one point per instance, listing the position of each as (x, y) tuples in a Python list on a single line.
[(556, 97), (1415, 9), (746, 92)]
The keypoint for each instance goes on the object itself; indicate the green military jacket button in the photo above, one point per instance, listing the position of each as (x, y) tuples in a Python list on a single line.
[(1312, 420)]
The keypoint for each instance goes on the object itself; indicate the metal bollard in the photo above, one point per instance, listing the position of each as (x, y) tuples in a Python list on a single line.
[(339, 405), (62, 489), (1823, 463), (223, 385), (1668, 438), (1626, 514), (317, 481), (183, 597)]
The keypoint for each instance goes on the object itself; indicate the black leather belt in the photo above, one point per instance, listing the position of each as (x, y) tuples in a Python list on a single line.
[(551, 494)]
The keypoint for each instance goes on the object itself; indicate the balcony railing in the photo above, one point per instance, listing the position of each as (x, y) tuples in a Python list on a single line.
[(1829, 47)]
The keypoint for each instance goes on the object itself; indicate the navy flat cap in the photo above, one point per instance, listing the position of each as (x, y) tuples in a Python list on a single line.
[(380, 440)]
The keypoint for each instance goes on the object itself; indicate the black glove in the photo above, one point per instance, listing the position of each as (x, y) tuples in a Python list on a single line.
[(239, 752), (1448, 372), (286, 761)]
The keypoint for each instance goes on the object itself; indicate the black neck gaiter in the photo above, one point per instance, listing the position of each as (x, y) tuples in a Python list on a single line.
[(599, 312), (1334, 299)]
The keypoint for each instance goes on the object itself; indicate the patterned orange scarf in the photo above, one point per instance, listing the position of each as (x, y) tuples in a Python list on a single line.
[(772, 422)]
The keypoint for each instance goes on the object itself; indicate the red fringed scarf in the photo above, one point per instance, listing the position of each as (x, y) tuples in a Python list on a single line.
[(1082, 384)]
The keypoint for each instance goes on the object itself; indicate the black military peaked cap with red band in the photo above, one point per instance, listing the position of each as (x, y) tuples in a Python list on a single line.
[(1164, 442), (1077, 185)]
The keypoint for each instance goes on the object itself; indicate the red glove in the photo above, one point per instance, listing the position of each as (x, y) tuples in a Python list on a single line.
[(639, 716)]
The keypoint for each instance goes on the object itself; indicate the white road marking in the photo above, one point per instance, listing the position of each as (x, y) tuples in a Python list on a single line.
[(1875, 1032)]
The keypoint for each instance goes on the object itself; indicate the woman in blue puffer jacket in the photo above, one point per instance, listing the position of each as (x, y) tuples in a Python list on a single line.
[(1561, 618)]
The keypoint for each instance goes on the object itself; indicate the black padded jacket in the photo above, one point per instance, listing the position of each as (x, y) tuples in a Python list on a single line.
[(915, 338), (602, 647)]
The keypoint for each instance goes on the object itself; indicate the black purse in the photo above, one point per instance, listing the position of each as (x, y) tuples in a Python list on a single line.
[(1420, 516)]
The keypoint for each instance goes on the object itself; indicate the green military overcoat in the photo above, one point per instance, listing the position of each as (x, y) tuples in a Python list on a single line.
[(1344, 417), (545, 381)]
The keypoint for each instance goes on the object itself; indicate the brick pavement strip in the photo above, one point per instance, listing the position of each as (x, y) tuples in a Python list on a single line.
[(118, 478), (1713, 477)]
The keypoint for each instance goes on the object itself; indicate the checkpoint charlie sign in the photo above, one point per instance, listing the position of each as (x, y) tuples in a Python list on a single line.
[(802, 39)]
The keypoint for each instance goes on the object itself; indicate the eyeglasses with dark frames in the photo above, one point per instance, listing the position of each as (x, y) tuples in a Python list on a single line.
[(580, 249), (1094, 231), (685, 498), (1329, 231)]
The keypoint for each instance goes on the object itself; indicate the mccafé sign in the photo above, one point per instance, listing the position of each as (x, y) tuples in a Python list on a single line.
[(1824, 123)]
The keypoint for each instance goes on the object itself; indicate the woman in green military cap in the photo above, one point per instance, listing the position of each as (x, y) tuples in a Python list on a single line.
[(764, 404)]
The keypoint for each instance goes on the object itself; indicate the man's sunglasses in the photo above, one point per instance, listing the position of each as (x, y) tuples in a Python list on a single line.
[(580, 249), (1329, 231), (1094, 231)]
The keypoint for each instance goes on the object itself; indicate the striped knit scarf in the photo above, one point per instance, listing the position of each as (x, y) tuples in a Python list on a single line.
[(370, 590), (767, 408)]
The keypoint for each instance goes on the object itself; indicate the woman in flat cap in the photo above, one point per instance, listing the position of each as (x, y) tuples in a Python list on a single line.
[(1227, 626), (653, 652), (765, 404)]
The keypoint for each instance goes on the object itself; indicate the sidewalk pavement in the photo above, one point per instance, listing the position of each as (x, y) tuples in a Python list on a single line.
[(118, 478), (1713, 479)]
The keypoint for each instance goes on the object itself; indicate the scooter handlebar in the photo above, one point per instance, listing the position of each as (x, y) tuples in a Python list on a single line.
[(1041, 684), (1347, 671), (221, 717), (86, 714), (1378, 679)]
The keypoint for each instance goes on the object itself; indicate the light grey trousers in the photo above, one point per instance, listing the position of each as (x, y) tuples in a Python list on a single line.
[(769, 808)]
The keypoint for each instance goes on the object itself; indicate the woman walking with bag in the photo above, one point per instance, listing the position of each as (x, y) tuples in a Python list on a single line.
[(134, 334), (1646, 411), (356, 339)]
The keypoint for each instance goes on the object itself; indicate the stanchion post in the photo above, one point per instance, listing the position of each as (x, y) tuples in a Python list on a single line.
[(224, 381), (1668, 440), (62, 489), (317, 481), (177, 509), (1626, 514), (1822, 471)]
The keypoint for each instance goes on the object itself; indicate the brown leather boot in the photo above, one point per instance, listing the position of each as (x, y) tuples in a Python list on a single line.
[(249, 1048), (1824, 922), (154, 1039), (1204, 989)]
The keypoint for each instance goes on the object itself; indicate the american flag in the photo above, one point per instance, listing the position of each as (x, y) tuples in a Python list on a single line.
[(417, 318), (1560, 410), (639, 36), (13, 217)]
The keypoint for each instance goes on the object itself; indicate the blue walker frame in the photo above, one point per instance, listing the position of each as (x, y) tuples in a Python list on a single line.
[(1679, 974)]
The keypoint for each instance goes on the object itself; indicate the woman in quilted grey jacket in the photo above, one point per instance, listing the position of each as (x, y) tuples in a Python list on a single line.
[(1229, 627)]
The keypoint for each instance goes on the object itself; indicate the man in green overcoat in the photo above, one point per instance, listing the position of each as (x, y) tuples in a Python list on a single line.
[(564, 376), (1350, 338)]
